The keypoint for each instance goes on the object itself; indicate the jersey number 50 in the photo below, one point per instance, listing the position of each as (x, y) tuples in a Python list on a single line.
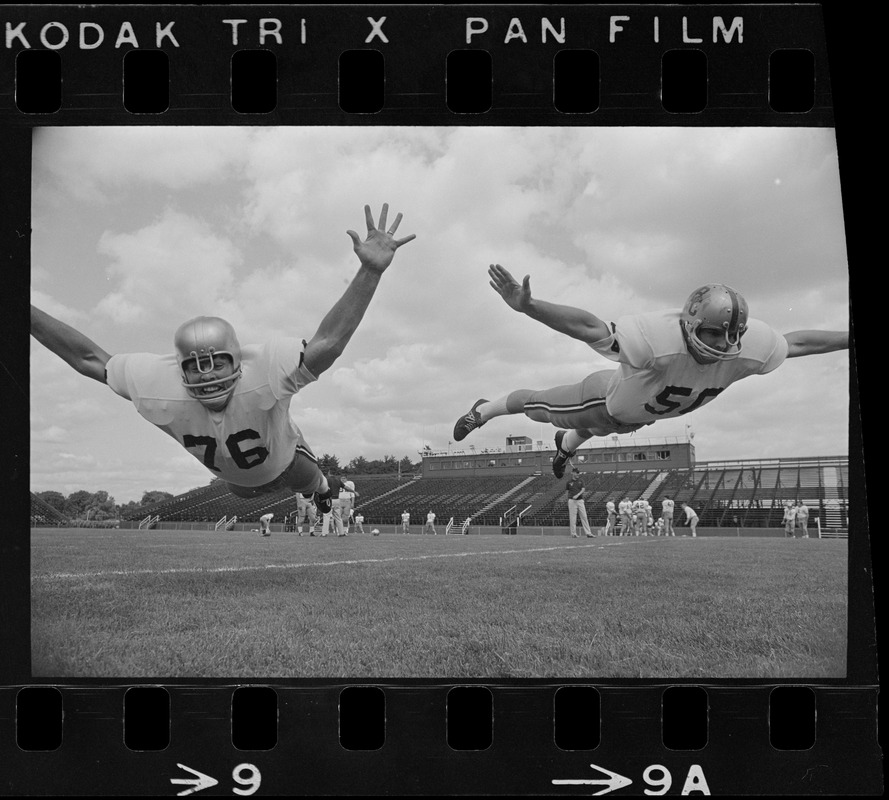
[(663, 399), (245, 459)]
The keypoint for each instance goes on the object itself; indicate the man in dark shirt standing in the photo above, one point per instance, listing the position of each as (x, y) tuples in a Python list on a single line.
[(576, 504)]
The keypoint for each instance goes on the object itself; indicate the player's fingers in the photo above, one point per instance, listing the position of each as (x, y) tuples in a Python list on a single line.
[(526, 283), (383, 214), (356, 239), (399, 242), (497, 272), (368, 218), (506, 274), (503, 281), (394, 226)]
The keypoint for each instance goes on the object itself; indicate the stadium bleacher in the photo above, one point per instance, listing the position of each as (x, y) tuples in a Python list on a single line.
[(746, 494), (42, 513)]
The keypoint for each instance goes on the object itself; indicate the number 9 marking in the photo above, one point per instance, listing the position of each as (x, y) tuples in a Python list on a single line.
[(253, 780), (663, 783)]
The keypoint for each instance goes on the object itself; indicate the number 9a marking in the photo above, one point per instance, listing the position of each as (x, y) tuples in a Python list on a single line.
[(252, 781)]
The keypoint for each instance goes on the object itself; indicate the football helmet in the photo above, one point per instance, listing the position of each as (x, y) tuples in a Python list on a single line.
[(716, 307), (198, 340)]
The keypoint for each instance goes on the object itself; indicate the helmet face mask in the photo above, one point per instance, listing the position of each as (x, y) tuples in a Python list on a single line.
[(720, 309), (199, 342)]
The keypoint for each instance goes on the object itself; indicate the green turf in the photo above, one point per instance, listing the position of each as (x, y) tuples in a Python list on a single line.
[(204, 604)]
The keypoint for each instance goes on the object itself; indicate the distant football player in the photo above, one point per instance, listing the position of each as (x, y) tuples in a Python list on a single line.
[(305, 512), (640, 518), (668, 506), (429, 527), (692, 518), (347, 501), (802, 518), (334, 517), (671, 363), (789, 519), (359, 522), (265, 524), (611, 513), (226, 404), (405, 522), (625, 508)]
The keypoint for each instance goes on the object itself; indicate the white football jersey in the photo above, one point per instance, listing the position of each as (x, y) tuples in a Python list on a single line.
[(609, 507), (658, 378), (249, 443)]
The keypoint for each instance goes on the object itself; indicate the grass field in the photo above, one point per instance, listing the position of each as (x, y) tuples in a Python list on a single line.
[(171, 604)]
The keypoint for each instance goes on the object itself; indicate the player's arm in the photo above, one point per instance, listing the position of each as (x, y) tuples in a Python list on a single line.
[(811, 343), (573, 322), (70, 345), (375, 254)]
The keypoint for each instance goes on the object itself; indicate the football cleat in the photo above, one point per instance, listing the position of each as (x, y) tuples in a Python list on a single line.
[(714, 307), (197, 342), (468, 423), (323, 501), (561, 458)]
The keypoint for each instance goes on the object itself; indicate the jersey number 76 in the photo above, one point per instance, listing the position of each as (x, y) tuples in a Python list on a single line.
[(245, 459)]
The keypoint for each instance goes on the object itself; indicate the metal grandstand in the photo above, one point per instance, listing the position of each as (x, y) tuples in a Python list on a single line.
[(726, 494)]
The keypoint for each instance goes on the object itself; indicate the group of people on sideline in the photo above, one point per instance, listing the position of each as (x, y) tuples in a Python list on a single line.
[(796, 520), (626, 518), (636, 517)]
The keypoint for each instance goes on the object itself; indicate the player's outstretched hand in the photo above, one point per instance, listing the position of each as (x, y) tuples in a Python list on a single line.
[(377, 251), (515, 296)]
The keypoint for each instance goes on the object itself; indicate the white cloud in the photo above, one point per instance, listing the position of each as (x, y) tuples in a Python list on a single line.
[(51, 434), (174, 268), (99, 163)]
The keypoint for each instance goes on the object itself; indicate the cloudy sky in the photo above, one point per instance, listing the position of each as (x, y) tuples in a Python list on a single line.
[(137, 229)]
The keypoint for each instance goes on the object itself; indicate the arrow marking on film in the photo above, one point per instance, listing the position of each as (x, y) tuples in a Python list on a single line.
[(611, 783), (200, 782)]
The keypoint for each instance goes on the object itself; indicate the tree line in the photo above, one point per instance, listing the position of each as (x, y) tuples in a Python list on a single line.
[(101, 506)]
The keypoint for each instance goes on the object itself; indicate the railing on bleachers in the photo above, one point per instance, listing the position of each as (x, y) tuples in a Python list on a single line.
[(747, 494)]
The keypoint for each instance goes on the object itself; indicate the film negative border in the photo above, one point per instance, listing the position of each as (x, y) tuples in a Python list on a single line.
[(522, 755), (506, 740), (466, 65)]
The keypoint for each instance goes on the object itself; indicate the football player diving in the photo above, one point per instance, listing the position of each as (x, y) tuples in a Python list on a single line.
[(228, 404), (671, 362)]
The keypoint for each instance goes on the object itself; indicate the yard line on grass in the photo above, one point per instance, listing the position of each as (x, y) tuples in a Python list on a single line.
[(337, 563)]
